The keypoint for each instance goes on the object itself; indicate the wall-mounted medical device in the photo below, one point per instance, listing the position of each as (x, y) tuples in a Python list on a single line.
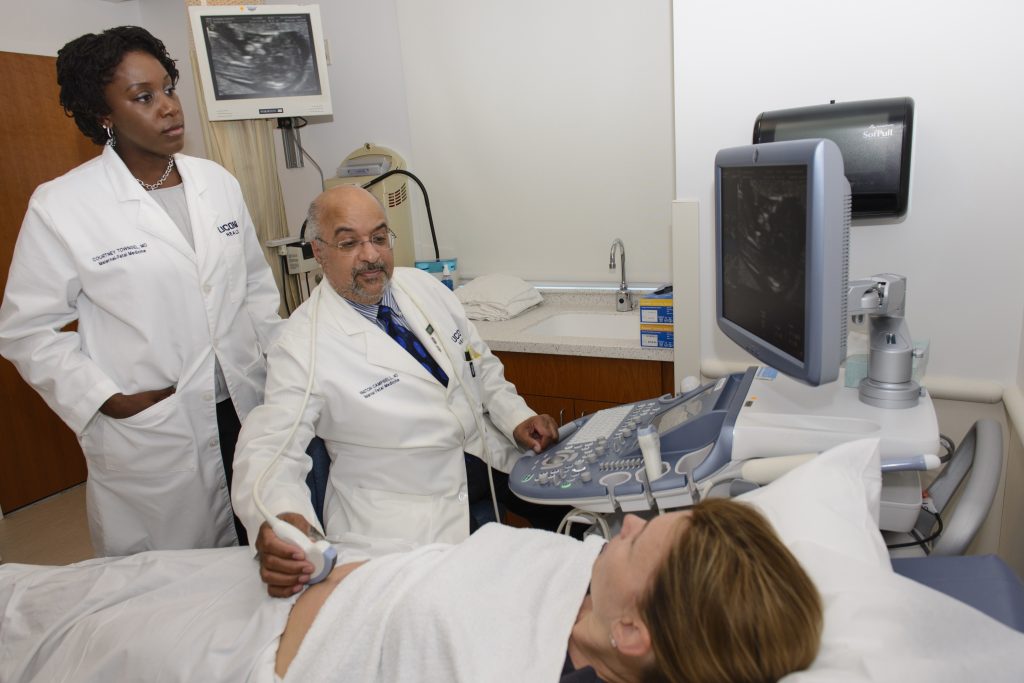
[(874, 137), (299, 270), (261, 61), (364, 165)]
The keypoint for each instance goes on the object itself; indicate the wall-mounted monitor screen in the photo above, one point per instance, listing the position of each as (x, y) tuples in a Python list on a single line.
[(261, 61), (782, 219)]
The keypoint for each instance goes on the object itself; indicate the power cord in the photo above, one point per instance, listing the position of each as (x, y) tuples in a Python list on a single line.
[(284, 284), (584, 517), (922, 542), (426, 201), (948, 445)]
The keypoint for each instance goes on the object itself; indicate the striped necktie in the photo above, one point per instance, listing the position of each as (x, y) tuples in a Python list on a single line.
[(408, 341)]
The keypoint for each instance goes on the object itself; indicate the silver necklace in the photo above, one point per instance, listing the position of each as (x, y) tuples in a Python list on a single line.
[(157, 184)]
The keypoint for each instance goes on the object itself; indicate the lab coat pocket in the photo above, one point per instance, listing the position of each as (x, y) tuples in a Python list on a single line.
[(388, 514), (156, 441)]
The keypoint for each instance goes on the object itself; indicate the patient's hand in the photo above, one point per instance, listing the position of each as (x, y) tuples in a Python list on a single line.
[(283, 567)]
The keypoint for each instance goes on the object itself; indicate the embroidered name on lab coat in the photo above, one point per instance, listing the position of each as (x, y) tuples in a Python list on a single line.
[(457, 337), (119, 253), (379, 386), (228, 229)]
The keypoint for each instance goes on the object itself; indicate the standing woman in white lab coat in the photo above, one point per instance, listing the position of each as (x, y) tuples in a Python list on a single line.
[(155, 255)]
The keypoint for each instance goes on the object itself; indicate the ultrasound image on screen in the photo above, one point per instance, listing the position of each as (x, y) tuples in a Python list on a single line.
[(764, 244), (261, 56)]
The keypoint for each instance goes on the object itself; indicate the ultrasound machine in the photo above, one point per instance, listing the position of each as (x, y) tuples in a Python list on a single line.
[(782, 219)]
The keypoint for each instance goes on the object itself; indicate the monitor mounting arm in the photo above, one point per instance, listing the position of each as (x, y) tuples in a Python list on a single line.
[(889, 382)]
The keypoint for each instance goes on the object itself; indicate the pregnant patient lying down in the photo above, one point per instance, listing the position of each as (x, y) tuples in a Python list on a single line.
[(706, 594)]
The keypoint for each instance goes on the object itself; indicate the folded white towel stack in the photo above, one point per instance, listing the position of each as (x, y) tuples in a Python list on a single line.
[(497, 297)]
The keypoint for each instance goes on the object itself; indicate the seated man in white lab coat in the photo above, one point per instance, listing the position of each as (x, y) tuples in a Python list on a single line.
[(397, 408)]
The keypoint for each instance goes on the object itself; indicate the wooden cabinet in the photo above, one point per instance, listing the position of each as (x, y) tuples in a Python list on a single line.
[(567, 387)]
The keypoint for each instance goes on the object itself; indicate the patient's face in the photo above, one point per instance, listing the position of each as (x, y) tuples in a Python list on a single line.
[(628, 562)]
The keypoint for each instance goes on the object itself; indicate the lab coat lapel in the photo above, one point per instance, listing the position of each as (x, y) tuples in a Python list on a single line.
[(209, 245), (146, 214), (418, 323), (380, 349)]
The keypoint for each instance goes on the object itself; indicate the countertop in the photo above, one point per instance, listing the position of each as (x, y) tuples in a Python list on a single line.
[(514, 335)]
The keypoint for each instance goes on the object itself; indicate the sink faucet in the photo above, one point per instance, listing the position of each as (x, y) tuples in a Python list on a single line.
[(623, 298)]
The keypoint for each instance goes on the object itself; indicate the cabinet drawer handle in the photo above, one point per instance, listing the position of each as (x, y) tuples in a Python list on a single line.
[(561, 417)]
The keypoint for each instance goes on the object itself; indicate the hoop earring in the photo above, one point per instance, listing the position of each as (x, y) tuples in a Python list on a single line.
[(111, 140)]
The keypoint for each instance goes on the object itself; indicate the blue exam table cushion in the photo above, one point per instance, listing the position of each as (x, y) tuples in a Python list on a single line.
[(984, 582)]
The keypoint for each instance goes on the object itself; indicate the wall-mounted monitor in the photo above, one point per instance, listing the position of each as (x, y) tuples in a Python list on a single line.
[(875, 137), (782, 221), (261, 61)]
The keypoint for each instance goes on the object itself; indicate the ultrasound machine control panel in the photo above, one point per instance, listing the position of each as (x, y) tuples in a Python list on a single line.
[(598, 464)]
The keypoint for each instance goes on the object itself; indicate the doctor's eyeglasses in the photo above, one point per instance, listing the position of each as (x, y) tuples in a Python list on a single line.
[(380, 240)]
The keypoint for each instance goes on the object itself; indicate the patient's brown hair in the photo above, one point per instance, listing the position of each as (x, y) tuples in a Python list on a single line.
[(731, 603)]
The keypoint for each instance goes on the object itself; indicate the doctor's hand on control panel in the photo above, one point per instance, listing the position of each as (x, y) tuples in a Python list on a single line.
[(536, 433), (383, 365)]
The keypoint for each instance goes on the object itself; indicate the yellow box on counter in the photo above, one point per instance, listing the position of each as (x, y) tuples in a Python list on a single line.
[(656, 336), (656, 309)]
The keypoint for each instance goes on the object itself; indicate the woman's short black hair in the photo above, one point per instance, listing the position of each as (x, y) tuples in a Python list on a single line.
[(86, 65)]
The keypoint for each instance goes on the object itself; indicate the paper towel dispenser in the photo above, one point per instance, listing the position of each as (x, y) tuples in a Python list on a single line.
[(874, 137)]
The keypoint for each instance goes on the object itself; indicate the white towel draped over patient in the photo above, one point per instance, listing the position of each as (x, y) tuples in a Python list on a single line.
[(497, 607)]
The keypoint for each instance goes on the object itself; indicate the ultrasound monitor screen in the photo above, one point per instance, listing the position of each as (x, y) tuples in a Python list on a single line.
[(259, 56), (764, 245)]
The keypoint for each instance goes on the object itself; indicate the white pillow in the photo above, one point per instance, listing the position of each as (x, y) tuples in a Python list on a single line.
[(831, 501), (879, 626)]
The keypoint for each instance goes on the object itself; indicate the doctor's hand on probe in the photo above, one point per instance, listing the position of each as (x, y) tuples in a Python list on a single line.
[(120, 406), (536, 433), (283, 567)]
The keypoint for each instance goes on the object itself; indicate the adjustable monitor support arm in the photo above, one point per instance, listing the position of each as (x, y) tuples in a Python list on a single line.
[(889, 383)]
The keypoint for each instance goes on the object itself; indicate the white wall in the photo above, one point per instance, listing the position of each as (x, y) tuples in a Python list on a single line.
[(960, 245), (543, 131), (41, 27)]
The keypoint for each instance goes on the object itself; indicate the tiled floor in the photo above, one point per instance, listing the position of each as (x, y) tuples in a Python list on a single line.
[(52, 531)]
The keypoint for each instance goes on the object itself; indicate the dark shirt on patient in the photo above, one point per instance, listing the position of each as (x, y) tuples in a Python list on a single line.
[(570, 674)]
